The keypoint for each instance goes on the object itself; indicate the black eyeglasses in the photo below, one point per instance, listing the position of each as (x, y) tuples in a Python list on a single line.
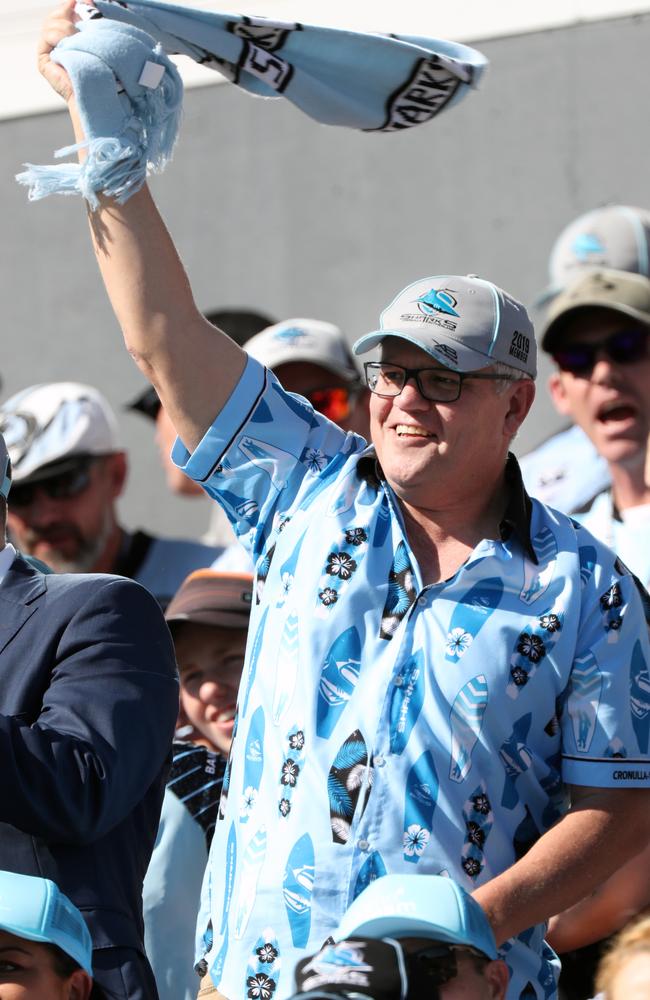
[(438, 385), (623, 347), (59, 487)]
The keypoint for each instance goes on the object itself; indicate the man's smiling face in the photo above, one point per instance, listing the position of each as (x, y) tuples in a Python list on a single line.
[(433, 452)]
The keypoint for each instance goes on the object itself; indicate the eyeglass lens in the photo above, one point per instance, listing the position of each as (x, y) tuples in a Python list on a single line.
[(62, 487), (436, 384), (623, 347)]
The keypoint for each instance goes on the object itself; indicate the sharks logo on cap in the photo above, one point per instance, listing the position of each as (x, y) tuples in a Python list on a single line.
[(440, 300), (291, 335), (587, 245)]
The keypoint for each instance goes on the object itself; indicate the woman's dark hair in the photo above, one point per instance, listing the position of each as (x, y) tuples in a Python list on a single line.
[(65, 965)]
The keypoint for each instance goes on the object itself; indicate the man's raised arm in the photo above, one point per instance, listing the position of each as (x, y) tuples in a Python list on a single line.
[(193, 367)]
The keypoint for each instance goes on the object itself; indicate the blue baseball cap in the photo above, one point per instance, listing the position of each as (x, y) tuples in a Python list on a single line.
[(423, 906), (36, 909)]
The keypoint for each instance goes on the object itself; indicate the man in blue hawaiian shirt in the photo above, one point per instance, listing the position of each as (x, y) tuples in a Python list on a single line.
[(435, 660)]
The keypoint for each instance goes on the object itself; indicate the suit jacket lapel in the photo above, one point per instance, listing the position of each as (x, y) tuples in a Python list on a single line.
[(20, 591)]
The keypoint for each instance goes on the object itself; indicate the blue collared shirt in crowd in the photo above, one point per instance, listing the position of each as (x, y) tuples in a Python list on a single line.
[(385, 726)]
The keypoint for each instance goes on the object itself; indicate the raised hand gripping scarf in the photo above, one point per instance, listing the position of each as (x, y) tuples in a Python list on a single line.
[(373, 82), (129, 95)]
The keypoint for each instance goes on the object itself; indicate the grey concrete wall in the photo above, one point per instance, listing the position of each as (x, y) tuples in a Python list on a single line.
[(273, 211)]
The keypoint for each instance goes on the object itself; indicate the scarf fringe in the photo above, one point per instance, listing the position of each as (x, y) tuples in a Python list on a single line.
[(117, 167)]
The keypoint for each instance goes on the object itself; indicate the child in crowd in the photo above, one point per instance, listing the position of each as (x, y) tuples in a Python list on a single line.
[(208, 618), (45, 944)]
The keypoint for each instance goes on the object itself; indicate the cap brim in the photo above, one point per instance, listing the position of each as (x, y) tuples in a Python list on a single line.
[(468, 360), (554, 329), (56, 468), (402, 927), (222, 619), (293, 355)]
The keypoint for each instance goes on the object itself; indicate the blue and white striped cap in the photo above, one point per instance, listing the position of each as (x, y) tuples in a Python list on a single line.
[(465, 323)]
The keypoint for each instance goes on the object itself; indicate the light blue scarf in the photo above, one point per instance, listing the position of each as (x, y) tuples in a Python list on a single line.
[(364, 81)]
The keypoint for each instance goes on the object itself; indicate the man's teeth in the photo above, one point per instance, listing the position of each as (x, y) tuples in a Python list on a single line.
[(412, 431), (226, 716)]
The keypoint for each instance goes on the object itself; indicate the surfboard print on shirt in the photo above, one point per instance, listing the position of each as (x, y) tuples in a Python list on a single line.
[(372, 868), (263, 969), (338, 680), (419, 806), (297, 889), (406, 701), (466, 720), (251, 867), (584, 699), (348, 785), (253, 659), (640, 697), (470, 615), (253, 765)]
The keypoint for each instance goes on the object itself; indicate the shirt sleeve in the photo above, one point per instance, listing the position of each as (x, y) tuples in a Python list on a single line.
[(265, 453), (606, 717)]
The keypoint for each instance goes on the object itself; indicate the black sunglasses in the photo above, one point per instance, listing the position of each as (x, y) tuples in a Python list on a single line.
[(63, 486), (623, 348)]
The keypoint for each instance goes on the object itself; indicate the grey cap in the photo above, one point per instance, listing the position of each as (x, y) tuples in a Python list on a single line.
[(53, 422), (615, 236), (310, 340), (613, 291), (465, 323)]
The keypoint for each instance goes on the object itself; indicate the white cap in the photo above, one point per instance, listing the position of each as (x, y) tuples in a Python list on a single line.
[(310, 340), (55, 421)]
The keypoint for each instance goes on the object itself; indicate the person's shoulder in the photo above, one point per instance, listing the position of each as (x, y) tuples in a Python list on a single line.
[(565, 471)]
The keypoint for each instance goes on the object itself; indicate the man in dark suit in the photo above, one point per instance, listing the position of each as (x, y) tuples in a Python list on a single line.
[(88, 702)]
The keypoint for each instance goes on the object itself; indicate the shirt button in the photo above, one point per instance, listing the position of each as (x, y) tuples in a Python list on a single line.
[(399, 680), (379, 761), (363, 845), (422, 601)]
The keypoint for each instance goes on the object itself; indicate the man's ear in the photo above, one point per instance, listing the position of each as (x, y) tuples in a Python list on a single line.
[(117, 466), (521, 399), (558, 394)]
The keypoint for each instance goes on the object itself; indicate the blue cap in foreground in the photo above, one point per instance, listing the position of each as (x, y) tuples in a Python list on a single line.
[(36, 909), (425, 906)]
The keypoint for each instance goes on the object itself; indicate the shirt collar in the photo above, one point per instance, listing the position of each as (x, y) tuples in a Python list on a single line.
[(516, 519)]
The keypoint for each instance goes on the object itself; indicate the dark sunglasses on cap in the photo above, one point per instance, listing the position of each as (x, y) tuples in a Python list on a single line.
[(63, 486), (623, 348), (335, 404)]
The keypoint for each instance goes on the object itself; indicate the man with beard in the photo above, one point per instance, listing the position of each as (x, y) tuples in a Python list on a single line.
[(69, 472)]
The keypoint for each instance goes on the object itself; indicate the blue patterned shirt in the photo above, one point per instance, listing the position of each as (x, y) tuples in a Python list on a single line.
[(385, 726)]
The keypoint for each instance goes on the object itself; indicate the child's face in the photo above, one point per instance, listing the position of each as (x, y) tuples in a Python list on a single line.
[(210, 661)]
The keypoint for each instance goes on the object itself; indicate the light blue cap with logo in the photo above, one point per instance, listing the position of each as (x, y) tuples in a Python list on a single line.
[(420, 906), (465, 323), (36, 909)]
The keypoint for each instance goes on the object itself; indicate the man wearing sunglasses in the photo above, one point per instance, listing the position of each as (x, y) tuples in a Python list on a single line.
[(69, 472), (598, 334), (312, 358)]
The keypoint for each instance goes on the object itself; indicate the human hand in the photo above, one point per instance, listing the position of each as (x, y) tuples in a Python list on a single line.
[(60, 23)]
